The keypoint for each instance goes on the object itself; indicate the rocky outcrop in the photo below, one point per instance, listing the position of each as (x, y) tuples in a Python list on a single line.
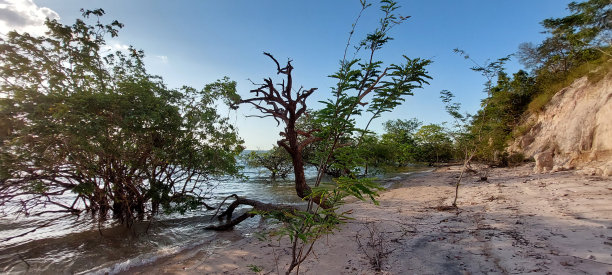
[(574, 131)]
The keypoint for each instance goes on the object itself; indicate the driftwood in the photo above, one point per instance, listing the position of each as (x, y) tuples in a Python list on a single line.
[(257, 206)]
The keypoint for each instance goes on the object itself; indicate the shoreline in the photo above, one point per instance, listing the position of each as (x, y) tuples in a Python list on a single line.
[(516, 222)]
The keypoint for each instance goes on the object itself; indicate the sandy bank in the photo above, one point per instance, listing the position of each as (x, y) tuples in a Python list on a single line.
[(516, 223)]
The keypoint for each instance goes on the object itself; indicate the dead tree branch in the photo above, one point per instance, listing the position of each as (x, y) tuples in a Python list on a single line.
[(257, 206)]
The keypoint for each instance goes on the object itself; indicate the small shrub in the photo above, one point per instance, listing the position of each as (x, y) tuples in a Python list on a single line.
[(516, 159), (376, 248), (522, 129), (255, 268)]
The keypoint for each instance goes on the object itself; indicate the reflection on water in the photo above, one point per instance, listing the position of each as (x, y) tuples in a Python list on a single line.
[(72, 245)]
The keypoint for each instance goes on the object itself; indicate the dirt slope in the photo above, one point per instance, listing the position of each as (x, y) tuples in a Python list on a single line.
[(574, 131)]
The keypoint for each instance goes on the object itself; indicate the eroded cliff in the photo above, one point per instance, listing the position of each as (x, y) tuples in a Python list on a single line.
[(574, 131)]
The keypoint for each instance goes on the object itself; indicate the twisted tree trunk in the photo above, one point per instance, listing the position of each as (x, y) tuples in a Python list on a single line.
[(287, 106), (257, 205)]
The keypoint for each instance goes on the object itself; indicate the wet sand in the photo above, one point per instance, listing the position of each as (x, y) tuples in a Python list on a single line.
[(516, 222)]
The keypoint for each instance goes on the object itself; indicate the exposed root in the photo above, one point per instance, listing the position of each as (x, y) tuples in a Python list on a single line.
[(229, 225)]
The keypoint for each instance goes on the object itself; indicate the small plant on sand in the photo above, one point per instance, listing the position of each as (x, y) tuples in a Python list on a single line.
[(255, 268), (375, 247), (468, 133)]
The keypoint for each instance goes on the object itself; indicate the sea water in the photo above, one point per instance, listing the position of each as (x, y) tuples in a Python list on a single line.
[(73, 245), (76, 245)]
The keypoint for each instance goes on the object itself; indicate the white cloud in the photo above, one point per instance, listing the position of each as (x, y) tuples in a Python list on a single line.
[(24, 16), (113, 46), (162, 58)]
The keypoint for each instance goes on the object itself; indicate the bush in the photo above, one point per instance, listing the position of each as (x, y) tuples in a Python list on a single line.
[(516, 159)]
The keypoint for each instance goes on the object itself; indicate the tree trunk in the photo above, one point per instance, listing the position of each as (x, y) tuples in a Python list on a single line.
[(257, 205), (301, 187)]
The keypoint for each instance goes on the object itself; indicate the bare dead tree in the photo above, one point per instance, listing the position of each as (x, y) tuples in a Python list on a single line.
[(287, 107)]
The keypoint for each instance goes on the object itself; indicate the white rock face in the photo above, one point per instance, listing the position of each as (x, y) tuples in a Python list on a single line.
[(574, 131)]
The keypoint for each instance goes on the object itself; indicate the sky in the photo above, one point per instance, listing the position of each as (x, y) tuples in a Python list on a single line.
[(193, 43)]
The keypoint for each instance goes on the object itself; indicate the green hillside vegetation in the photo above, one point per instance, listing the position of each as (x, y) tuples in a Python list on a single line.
[(550, 84), (578, 45)]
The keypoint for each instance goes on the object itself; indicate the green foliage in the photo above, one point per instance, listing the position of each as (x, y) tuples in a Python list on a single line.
[(373, 152), (255, 268), (497, 120), (304, 228), (548, 84), (76, 118), (401, 131), (276, 160), (484, 134), (577, 45), (364, 87), (399, 135), (433, 144), (460, 132), (573, 40), (406, 141)]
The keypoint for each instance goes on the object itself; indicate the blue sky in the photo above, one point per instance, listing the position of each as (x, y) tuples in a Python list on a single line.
[(196, 42)]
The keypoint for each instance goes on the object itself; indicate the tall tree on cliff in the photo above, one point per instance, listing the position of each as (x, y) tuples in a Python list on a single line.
[(573, 39)]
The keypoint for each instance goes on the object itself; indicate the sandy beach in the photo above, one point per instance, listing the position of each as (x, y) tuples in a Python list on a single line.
[(517, 222)]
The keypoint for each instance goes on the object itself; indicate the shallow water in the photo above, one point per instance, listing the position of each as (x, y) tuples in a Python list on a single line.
[(73, 246)]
